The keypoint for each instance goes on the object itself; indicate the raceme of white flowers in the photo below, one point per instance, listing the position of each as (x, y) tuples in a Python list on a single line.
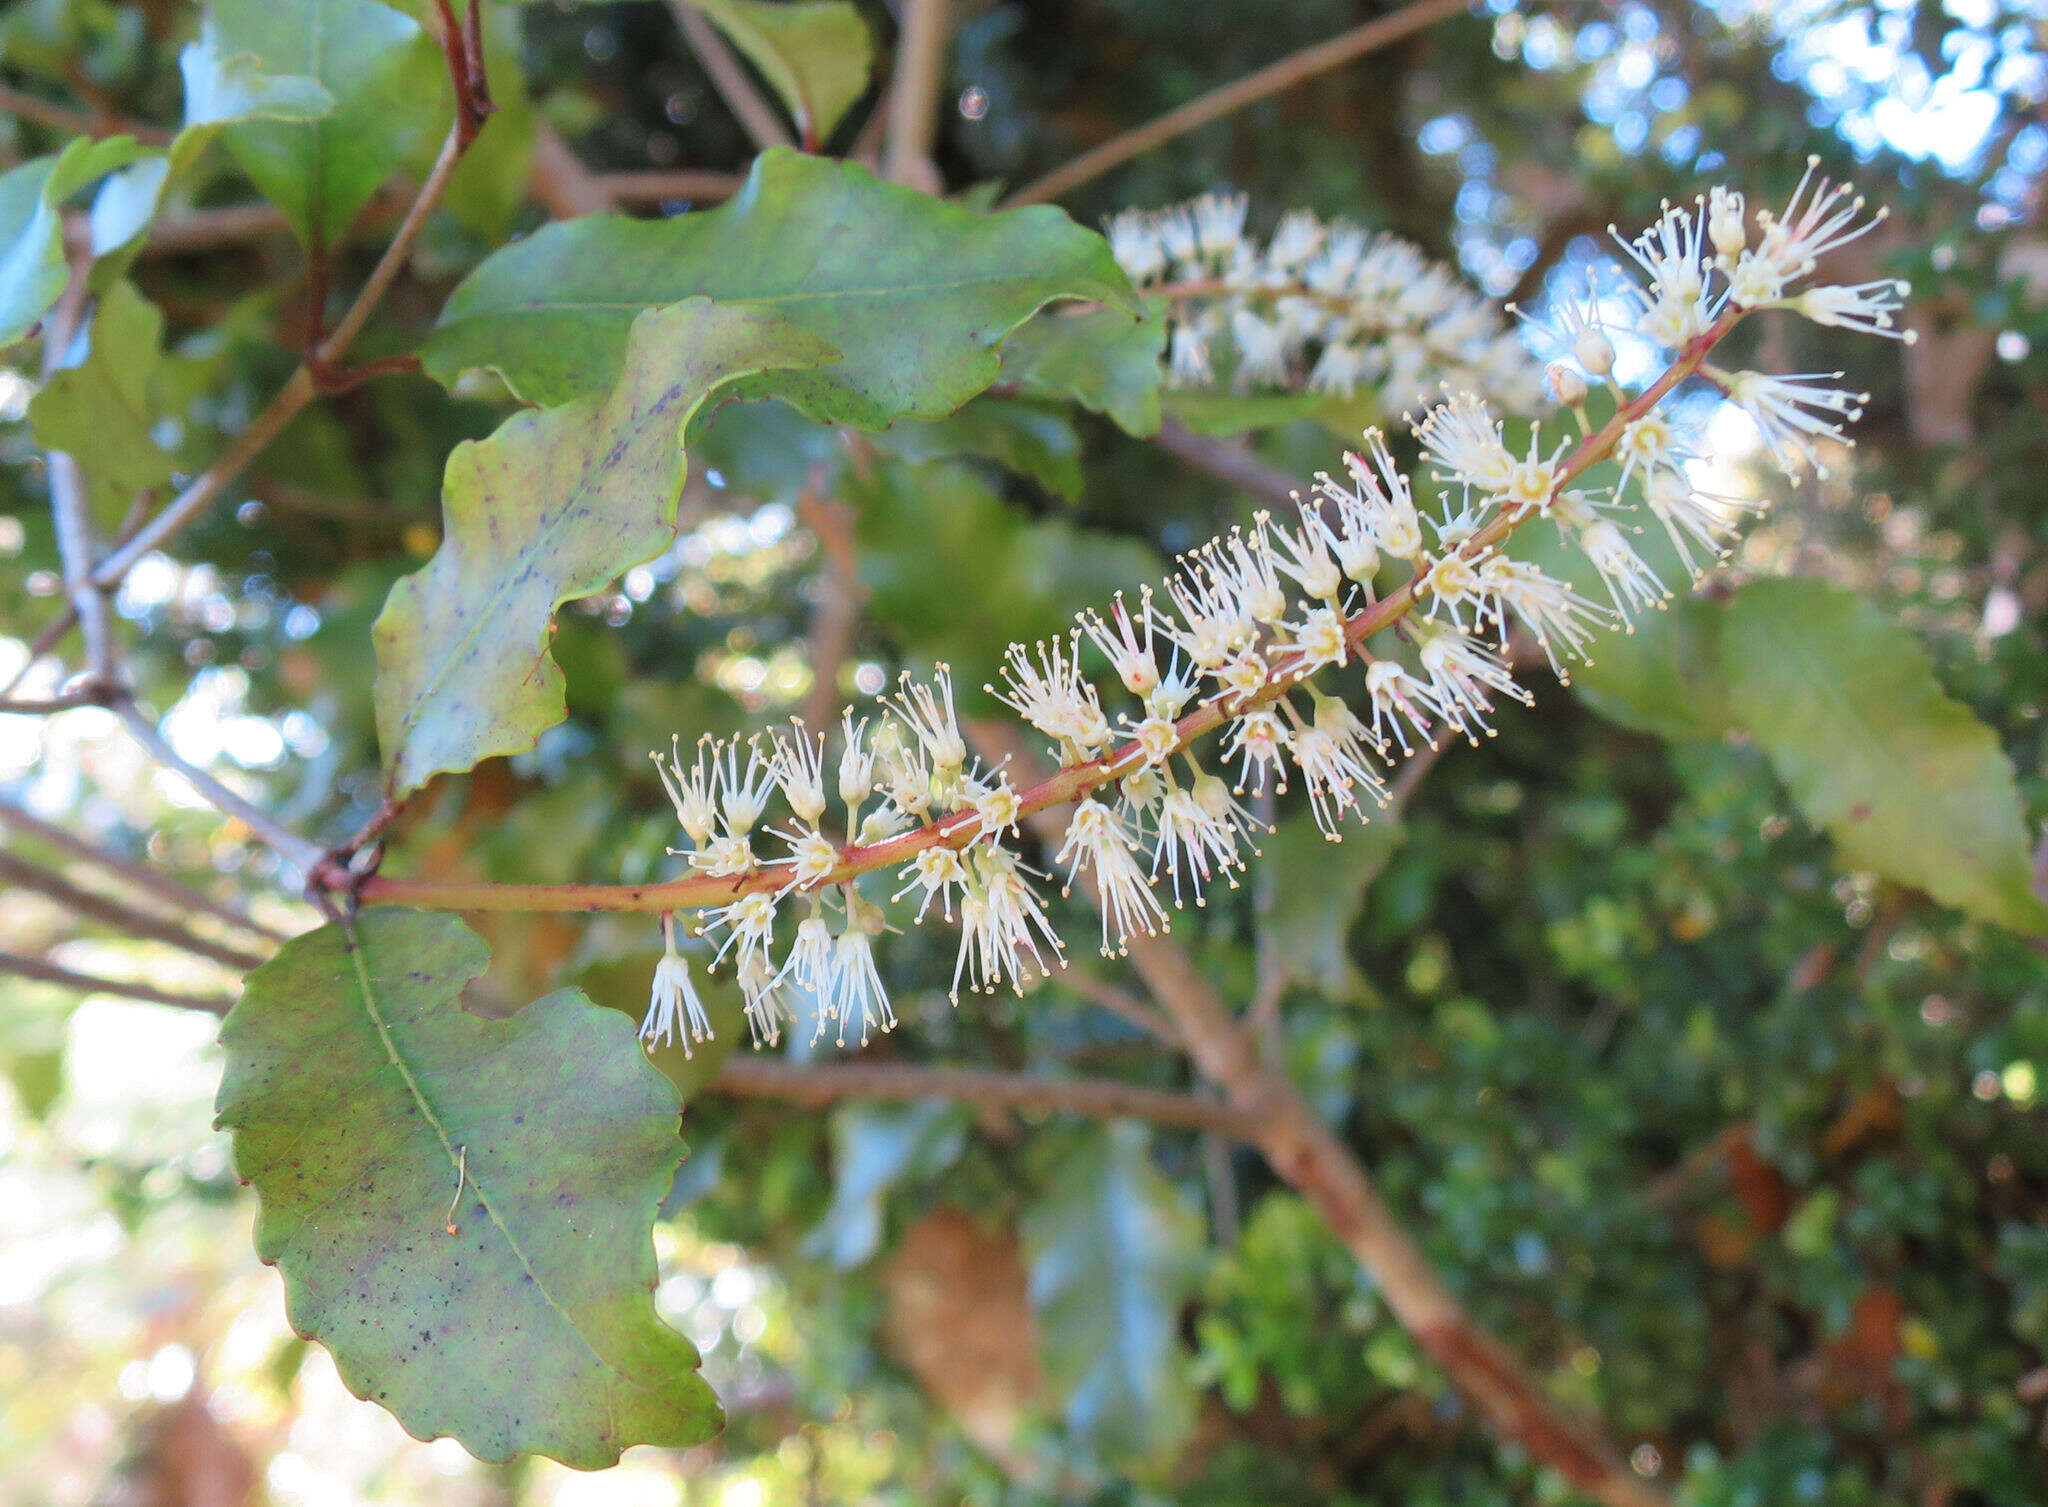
[(1407, 610), (1325, 306)]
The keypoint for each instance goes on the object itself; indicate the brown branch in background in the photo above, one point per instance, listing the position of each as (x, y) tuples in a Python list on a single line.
[(1295, 68), (74, 122), (161, 885), (1316, 1163), (810, 1083), (728, 75), (699, 185), (294, 849), (559, 181), (87, 983), (1232, 464), (19, 871), (1121, 1003), (920, 77), (835, 618)]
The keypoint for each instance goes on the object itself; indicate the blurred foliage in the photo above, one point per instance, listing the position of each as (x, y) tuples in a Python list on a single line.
[(1740, 1146)]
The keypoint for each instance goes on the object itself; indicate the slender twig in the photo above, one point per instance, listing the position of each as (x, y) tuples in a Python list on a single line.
[(836, 617), (811, 1083), (51, 635), (303, 385), (72, 122), (1121, 1003), (87, 983), (296, 850), (960, 828), (749, 106), (680, 183), (1293, 69), (45, 706), (161, 885), (914, 91), (16, 870), (1232, 464), (560, 183)]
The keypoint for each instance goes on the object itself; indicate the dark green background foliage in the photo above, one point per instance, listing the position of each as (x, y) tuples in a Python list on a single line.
[(1695, 1024)]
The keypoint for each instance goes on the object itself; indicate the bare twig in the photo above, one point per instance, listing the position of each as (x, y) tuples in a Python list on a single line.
[(141, 876), (304, 383), (681, 183), (296, 850), (1121, 1003), (1293, 69), (914, 96), (44, 706), (86, 983), (16, 870), (1228, 463), (810, 1083), (561, 184), (836, 617), (63, 118), (728, 76)]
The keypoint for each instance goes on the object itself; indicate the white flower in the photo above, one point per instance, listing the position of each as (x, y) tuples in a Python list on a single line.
[(809, 964), (1463, 441), (1790, 412), (693, 794), (1134, 242), (1789, 246), (749, 923), (1241, 677), (906, 776), (1308, 554), (761, 989), (1101, 843), (1331, 751), (1320, 638), (1647, 443), (1199, 828), (1297, 237), (1002, 926), (1461, 673), (937, 873), (1176, 228), (1676, 306), (1691, 517), (1127, 654), (675, 1013), (1532, 480), (856, 765), (1245, 561), (1727, 229), (995, 805), (1630, 581), (742, 794), (1399, 702), (1259, 740), (1376, 510), (1051, 695), (796, 765), (1340, 368), (852, 987), (929, 711), (1187, 358), (1214, 620), (812, 856), (1261, 350), (1555, 615), (1868, 307), (1219, 225)]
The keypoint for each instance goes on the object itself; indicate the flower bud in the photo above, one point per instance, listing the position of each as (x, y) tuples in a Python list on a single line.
[(1566, 385)]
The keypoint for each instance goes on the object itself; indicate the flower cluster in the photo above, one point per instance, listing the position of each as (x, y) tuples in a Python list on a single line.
[(1407, 610), (1324, 306)]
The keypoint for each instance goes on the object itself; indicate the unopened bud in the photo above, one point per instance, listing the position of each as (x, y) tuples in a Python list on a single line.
[(1566, 385), (1594, 352)]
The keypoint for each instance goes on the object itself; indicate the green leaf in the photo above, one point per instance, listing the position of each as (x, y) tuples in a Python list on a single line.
[(916, 293), (1022, 437), (1100, 358), (104, 409), (33, 268), (1114, 1250), (1223, 413), (1907, 782), (875, 1147), (817, 54), (387, 83), (551, 507), (226, 83), (1318, 887), (362, 1097)]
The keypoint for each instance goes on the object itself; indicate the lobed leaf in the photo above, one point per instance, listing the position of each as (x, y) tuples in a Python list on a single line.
[(552, 506), (365, 1103), (1908, 782), (915, 292)]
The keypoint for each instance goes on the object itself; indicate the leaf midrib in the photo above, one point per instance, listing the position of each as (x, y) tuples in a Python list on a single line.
[(458, 1165)]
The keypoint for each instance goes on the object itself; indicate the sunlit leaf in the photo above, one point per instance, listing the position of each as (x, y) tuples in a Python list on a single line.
[(103, 410), (1908, 782), (551, 507), (462, 1208), (915, 292)]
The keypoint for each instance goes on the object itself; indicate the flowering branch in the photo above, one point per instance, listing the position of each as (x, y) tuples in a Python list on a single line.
[(814, 1083)]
